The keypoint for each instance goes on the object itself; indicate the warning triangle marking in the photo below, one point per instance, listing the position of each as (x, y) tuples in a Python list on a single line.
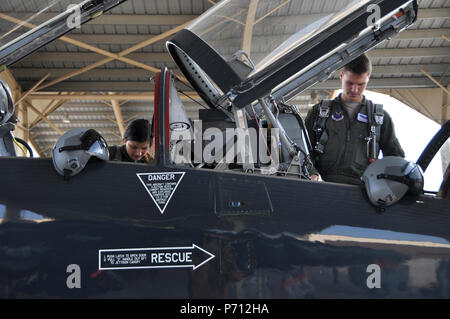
[(161, 186)]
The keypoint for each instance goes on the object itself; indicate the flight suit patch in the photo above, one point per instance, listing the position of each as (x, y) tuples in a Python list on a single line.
[(337, 116), (363, 118)]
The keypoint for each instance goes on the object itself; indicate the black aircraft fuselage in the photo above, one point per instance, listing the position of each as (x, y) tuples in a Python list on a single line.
[(127, 230), (131, 229)]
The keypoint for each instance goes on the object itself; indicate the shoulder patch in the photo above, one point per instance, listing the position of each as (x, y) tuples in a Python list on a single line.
[(338, 116)]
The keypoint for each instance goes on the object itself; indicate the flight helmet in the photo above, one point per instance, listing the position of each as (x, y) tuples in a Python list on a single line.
[(388, 179), (74, 149), (6, 103)]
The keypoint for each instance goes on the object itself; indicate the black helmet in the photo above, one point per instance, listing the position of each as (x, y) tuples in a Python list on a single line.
[(387, 180), (75, 147)]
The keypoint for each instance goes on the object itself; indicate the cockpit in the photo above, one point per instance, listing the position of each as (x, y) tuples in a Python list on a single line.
[(247, 82)]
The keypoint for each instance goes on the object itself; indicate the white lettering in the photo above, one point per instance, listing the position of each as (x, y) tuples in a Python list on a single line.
[(74, 20), (246, 146), (374, 280), (235, 308), (198, 144), (172, 257), (74, 279), (375, 16), (213, 151), (192, 309), (161, 177), (232, 145)]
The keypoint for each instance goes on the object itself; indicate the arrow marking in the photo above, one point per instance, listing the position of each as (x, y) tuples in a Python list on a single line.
[(148, 258)]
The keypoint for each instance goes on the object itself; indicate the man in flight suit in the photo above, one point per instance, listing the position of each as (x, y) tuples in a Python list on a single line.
[(348, 132)]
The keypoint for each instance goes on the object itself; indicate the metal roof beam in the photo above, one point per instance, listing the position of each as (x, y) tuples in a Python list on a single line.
[(121, 56), (412, 52), (142, 96), (53, 105), (91, 57), (110, 55), (127, 73), (105, 86), (435, 81), (118, 115), (111, 38), (174, 19), (248, 28), (385, 83), (165, 57), (116, 19), (42, 116), (419, 34), (409, 68), (24, 96), (135, 38), (434, 13)]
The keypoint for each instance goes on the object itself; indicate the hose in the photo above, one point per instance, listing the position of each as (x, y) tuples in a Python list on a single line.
[(21, 141)]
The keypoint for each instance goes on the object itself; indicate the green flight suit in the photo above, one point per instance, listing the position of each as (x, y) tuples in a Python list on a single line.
[(345, 154)]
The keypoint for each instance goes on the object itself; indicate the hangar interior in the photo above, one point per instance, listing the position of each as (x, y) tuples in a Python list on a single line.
[(101, 75)]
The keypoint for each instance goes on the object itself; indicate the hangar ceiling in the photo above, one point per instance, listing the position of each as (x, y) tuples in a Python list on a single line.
[(100, 75)]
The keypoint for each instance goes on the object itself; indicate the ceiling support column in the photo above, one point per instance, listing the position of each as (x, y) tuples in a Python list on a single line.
[(118, 114)]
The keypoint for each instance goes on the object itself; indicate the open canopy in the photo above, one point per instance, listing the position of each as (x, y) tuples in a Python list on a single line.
[(237, 25), (25, 29), (223, 52)]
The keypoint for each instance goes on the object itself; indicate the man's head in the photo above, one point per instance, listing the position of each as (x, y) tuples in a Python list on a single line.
[(138, 138), (354, 79)]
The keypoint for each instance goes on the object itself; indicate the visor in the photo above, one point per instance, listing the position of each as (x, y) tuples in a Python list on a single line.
[(88, 139), (99, 149), (412, 176), (415, 177)]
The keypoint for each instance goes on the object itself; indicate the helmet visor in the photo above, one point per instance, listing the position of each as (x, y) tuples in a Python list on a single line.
[(99, 149), (91, 142), (415, 177)]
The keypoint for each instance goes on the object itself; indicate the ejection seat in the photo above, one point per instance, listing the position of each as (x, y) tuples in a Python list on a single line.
[(172, 129)]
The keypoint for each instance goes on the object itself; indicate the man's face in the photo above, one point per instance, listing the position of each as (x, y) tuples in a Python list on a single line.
[(353, 86), (137, 150)]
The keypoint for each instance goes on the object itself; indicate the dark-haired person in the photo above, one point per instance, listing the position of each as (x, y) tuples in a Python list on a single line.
[(347, 133), (137, 141)]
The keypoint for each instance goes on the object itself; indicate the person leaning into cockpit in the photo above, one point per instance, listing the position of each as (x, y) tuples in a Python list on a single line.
[(347, 133), (137, 141)]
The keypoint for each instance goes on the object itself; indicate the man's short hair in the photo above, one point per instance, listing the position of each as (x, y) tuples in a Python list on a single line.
[(359, 65)]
